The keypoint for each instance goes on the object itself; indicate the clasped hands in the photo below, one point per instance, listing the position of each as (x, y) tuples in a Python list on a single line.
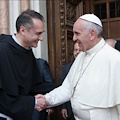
[(41, 102)]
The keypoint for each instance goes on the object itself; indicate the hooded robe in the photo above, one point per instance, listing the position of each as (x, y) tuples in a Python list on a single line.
[(20, 80)]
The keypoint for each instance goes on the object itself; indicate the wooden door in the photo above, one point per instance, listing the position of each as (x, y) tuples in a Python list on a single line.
[(61, 17)]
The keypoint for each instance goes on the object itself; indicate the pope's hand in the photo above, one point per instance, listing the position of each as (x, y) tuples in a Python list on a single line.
[(41, 102)]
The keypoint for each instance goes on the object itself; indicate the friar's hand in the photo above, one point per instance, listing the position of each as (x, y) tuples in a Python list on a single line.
[(41, 102)]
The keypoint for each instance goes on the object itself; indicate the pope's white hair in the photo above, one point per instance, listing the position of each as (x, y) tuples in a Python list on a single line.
[(89, 26)]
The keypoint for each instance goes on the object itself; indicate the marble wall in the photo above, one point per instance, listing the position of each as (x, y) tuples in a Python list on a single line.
[(4, 16)]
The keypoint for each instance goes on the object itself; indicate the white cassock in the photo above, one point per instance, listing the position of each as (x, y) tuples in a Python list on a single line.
[(92, 85)]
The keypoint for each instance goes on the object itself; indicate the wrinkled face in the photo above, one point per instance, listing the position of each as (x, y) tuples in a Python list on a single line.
[(81, 35), (77, 50), (34, 34)]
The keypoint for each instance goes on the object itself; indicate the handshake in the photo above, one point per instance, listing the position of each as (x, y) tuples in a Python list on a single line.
[(41, 102)]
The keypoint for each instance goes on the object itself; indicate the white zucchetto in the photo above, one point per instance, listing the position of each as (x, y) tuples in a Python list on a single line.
[(91, 18)]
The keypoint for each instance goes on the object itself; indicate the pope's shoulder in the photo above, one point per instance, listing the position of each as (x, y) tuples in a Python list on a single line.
[(111, 52)]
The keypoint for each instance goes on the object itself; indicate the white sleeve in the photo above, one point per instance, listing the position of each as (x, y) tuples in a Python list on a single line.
[(61, 94), (58, 96)]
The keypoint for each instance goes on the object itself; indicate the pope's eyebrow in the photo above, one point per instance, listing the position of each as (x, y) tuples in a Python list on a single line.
[(76, 33)]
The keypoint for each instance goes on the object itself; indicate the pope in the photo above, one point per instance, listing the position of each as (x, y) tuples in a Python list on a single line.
[(93, 82)]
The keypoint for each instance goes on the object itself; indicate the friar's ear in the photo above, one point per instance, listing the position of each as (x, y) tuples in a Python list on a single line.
[(23, 30)]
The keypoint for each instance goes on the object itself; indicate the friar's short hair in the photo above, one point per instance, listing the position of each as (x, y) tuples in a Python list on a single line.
[(25, 19)]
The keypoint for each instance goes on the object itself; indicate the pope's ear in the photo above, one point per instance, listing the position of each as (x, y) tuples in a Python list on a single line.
[(22, 30), (93, 34)]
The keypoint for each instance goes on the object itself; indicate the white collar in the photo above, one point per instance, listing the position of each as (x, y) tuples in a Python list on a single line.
[(96, 47), (15, 39)]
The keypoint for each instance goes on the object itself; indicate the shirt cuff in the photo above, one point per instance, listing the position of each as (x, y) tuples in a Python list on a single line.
[(35, 101)]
